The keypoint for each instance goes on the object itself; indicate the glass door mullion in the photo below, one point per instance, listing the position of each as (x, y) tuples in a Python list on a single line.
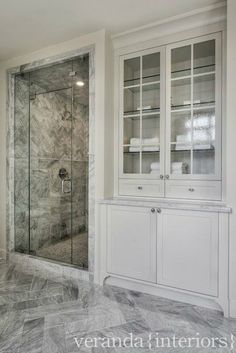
[(141, 116), (191, 157)]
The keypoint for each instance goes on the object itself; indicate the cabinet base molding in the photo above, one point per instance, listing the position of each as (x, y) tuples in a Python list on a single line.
[(219, 304), (232, 308)]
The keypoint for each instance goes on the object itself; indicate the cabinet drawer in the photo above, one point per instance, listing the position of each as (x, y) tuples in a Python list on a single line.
[(204, 190), (143, 188)]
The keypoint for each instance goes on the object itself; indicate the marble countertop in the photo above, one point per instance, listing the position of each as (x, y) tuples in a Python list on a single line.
[(210, 206)]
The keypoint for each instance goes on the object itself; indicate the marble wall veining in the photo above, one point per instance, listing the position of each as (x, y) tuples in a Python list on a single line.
[(55, 136)]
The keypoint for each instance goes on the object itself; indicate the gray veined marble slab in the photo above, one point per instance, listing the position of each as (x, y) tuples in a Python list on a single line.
[(43, 174), (171, 204), (88, 310)]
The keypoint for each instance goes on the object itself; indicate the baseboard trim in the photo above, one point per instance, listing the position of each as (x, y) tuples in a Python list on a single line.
[(198, 300), (232, 308)]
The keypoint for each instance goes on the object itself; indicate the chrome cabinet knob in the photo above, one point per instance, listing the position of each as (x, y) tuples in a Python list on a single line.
[(158, 210), (140, 188), (153, 210), (191, 189), (161, 176), (167, 176)]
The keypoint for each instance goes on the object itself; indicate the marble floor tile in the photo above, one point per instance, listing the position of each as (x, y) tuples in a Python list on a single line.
[(46, 315)]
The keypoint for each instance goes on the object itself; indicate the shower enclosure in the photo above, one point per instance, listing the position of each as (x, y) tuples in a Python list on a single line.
[(51, 141)]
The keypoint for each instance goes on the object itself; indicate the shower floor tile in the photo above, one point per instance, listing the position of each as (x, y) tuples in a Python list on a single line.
[(38, 315), (73, 251)]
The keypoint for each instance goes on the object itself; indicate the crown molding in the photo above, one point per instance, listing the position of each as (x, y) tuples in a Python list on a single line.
[(209, 15)]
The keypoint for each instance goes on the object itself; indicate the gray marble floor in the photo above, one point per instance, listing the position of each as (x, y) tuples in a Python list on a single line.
[(43, 316)]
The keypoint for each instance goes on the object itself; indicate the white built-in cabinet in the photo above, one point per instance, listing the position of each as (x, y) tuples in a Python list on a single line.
[(170, 120), (173, 248)]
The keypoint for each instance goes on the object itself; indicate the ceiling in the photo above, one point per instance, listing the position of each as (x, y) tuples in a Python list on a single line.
[(29, 25)]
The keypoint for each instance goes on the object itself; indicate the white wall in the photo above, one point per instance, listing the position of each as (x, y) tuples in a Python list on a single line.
[(231, 145), (102, 117)]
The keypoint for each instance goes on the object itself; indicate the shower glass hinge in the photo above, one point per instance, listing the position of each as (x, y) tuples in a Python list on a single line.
[(72, 73), (33, 96)]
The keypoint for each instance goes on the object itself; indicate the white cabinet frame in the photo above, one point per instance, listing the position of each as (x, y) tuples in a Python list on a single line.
[(218, 108), (140, 54)]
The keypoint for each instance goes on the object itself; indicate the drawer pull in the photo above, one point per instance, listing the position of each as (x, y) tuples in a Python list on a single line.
[(140, 188), (167, 176), (153, 210), (161, 176), (158, 210), (191, 189)]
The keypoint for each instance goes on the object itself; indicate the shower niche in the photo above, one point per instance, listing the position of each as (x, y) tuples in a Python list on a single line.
[(51, 141)]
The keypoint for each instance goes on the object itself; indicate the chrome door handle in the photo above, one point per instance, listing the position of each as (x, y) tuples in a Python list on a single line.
[(158, 210), (161, 176), (167, 176), (191, 189), (153, 210), (63, 186)]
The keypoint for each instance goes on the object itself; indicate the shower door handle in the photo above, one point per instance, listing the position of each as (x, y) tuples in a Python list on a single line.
[(63, 189)]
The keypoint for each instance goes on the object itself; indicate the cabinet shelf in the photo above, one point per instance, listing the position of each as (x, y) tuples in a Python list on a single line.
[(144, 112), (144, 77), (143, 152), (195, 68), (194, 150), (201, 105)]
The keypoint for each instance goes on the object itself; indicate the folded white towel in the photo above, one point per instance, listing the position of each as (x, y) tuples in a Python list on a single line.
[(146, 107), (151, 141), (135, 141), (177, 165), (144, 148), (183, 138), (150, 148), (202, 147), (182, 147), (135, 149), (146, 141), (155, 166)]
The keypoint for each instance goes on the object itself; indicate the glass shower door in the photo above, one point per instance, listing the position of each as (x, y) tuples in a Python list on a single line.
[(51, 162)]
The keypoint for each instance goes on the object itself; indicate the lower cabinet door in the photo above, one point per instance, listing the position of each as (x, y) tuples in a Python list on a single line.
[(131, 240), (187, 250)]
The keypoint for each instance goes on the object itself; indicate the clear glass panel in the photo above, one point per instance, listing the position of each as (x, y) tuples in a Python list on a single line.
[(21, 163), (204, 90), (131, 159), (151, 98), (181, 94), (50, 151), (132, 72), (151, 129), (203, 161), (181, 128), (204, 141), (131, 131), (204, 57), (151, 161), (132, 101), (80, 164), (181, 160), (51, 162), (151, 68), (181, 62), (50, 78)]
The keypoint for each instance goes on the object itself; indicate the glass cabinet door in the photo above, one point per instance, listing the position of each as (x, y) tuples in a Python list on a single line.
[(140, 114), (193, 114)]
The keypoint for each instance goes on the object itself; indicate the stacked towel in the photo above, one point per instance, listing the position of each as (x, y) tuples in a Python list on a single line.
[(155, 168), (201, 141), (179, 168), (148, 144)]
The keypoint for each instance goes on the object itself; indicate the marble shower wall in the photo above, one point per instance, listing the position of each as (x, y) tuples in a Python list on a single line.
[(59, 138), (21, 163)]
